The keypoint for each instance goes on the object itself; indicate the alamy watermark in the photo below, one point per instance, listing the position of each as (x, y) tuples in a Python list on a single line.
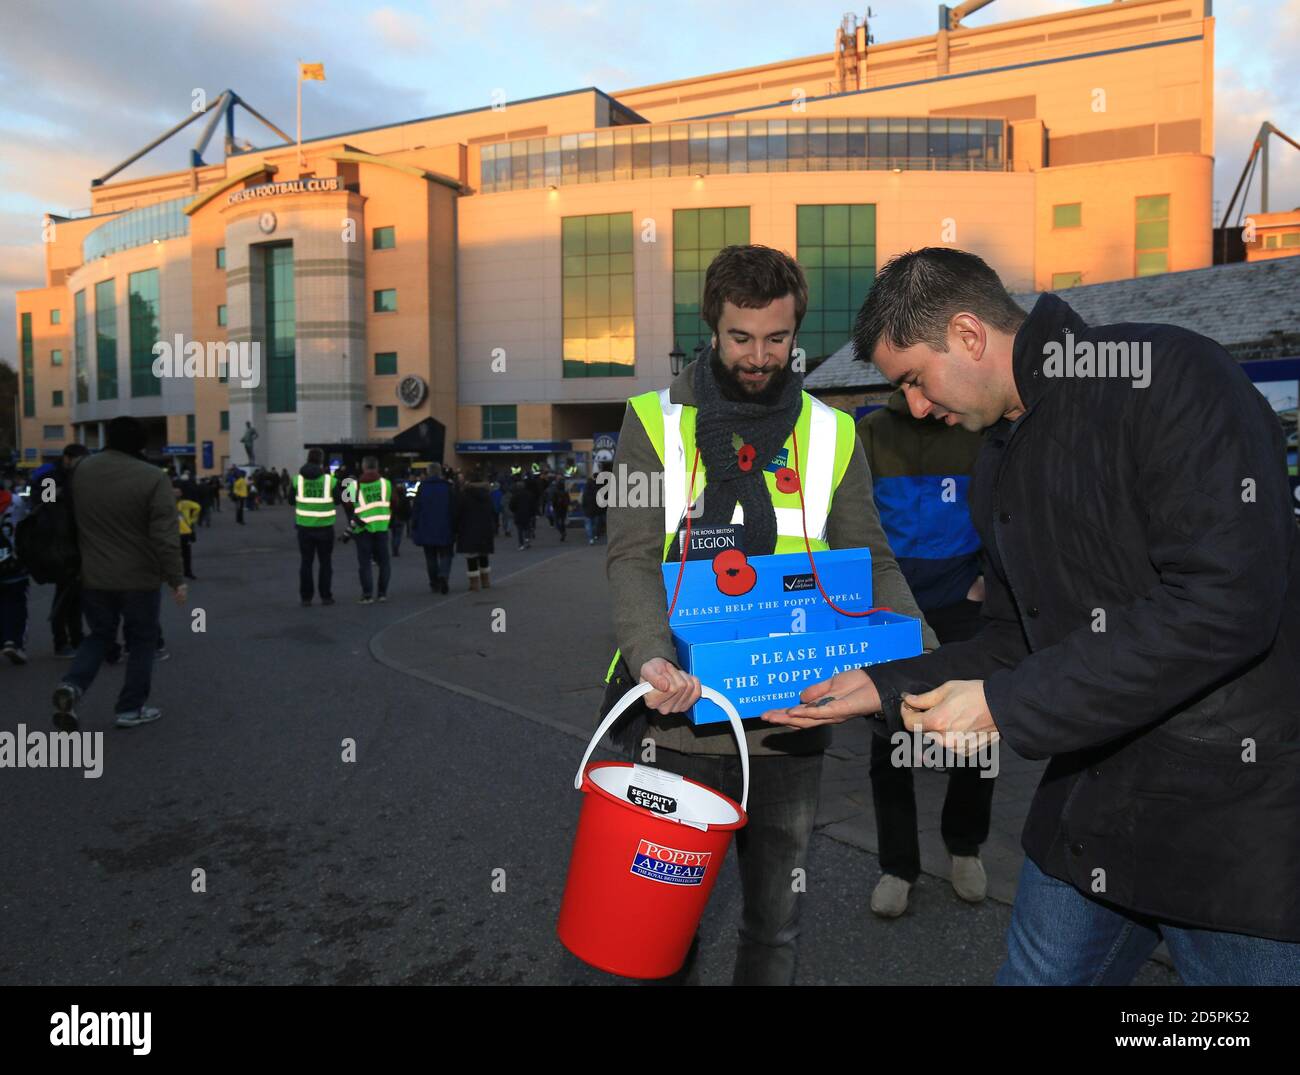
[(1106, 358), (241, 361), (53, 750), (946, 750)]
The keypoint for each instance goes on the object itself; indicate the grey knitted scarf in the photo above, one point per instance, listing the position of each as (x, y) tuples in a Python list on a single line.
[(720, 418)]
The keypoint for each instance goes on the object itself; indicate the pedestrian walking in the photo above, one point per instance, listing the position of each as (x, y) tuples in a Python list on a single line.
[(475, 533), (433, 526), (523, 505), (402, 497), (130, 546), (560, 506), (13, 580)]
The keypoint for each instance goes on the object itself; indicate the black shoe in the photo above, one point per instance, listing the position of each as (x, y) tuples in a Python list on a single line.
[(65, 698), (307, 603), (327, 600)]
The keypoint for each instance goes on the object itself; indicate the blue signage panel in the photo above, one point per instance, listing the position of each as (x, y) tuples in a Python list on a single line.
[(178, 449), (207, 454)]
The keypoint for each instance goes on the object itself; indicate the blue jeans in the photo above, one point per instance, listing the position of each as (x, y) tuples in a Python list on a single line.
[(373, 545), (437, 561), (782, 806), (138, 611), (1060, 937)]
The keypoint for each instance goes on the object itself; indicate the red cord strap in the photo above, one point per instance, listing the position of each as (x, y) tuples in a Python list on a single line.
[(686, 541)]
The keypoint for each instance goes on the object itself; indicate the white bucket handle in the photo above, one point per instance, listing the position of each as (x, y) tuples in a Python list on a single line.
[(705, 692)]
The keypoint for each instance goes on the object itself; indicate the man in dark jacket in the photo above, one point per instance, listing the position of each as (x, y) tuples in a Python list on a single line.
[(1143, 625), (433, 526), (523, 505), (130, 545)]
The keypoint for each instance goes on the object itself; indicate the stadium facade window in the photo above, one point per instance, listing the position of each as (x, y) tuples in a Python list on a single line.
[(698, 235), (599, 304), (1069, 215), (386, 300), (281, 331), (80, 336), (106, 340), (142, 302), (836, 246), (1152, 235), (29, 368), (384, 238), (839, 143), (501, 421), (385, 363), (385, 417)]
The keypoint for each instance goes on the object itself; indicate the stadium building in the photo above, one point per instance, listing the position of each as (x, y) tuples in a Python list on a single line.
[(492, 284)]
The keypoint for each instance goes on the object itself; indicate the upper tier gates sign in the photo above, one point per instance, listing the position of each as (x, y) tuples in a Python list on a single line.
[(289, 186)]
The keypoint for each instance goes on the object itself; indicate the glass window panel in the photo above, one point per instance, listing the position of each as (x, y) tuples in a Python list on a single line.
[(712, 229), (105, 340), (679, 150), (738, 146), (862, 225), (1067, 216), (659, 154), (1153, 234), (835, 225), (1153, 262), (778, 145), (569, 158), (808, 220), (737, 226), (717, 147), (573, 235), (699, 135), (756, 151), (1155, 207), (587, 157), (816, 145)]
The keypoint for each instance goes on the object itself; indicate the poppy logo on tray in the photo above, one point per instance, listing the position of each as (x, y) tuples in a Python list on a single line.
[(669, 865)]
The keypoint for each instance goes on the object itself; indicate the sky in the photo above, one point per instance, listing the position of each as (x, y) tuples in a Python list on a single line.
[(84, 83)]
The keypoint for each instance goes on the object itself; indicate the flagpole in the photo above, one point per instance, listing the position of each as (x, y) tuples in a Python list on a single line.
[(301, 162)]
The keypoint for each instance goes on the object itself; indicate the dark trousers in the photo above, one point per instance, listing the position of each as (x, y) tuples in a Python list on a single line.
[(13, 612), (782, 806), (65, 616), (373, 546), (966, 807), (315, 543), (437, 560), (562, 523), (239, 509), (138, 612), (187, 545), (396, 530)]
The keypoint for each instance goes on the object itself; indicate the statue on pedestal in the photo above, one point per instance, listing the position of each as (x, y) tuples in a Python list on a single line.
[(250, 435)]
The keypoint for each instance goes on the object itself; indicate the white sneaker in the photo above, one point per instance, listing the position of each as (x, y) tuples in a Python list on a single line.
[(16, 654), (969, 880), (889, 900), (144, 715)]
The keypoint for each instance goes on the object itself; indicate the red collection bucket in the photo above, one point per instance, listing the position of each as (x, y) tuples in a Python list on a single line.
[(647, 853)]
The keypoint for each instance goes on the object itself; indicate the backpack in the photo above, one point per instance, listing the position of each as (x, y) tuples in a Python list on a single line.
[(46, 540)]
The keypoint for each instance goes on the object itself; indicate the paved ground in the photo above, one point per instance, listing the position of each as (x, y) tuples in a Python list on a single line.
[(381, 870)]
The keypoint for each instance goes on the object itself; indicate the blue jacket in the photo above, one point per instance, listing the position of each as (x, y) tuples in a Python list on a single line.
[(434, 513)]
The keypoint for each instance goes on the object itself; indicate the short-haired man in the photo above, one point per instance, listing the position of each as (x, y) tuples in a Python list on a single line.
[(743, 390), (1143, 605)]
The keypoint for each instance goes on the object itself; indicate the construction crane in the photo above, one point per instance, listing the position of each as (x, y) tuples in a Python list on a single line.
[(950, 19)]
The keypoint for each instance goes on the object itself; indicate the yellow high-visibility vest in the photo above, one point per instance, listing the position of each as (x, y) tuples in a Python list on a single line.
[(314, 502)]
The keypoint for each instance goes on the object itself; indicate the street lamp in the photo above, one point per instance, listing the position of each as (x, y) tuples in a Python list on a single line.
[(676, 357)]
